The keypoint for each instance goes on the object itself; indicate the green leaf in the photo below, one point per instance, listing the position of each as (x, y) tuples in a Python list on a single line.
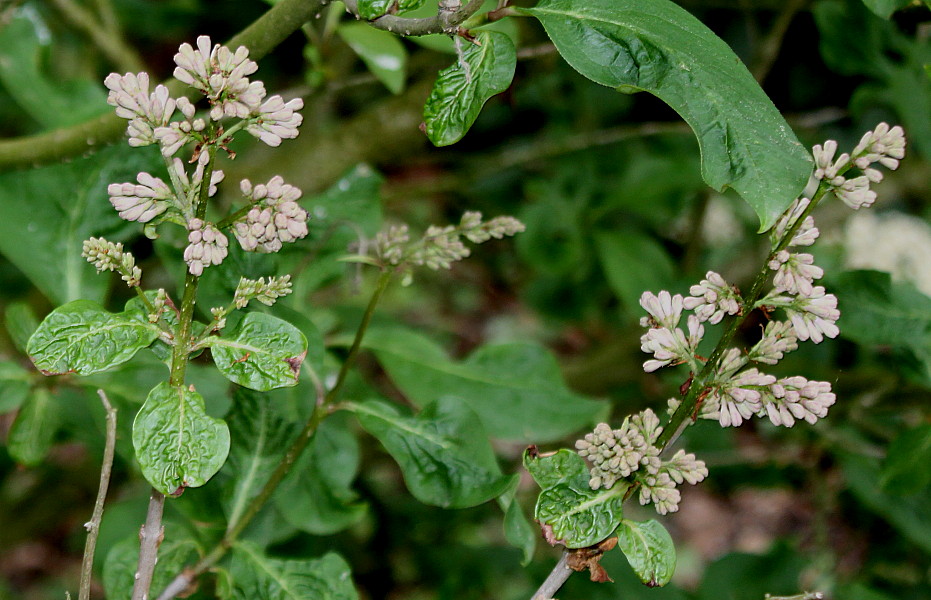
[(907, 469), (81, 337), (517, 529), (875, 310), (14, 385), (256, 576), (381, 51), (45, 96), (570, 512), (21, 323), (34, 429), (262, 353), (633, 262), (176, 552), (658, 47), (484, 68), (317, 495), (46, 214), (885, 8), (259, 439), (649, 550), (516, 389), (441, 42), (443, 453), (177, 444), (372, 9)]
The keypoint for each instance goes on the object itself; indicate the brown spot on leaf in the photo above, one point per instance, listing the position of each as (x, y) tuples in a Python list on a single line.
[(295, 363), (548, 534)]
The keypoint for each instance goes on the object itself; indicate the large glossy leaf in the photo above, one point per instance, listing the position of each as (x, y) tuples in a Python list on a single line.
[(34, 429), (259, 439), (176, 552), (262, 353), (48, 98), (649, 550), (444, 456), (46, 213), (381, 51), (658, 47), (516, 389), (81, 337), (483, 69), (256, 576), (317, 496), (571, 513), (178, 445)]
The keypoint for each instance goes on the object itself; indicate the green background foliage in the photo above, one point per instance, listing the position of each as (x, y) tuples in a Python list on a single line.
[(530, 341)]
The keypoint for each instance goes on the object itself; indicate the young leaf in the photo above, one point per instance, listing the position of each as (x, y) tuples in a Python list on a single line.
[(649, 550), (177, 444), (485, 68), (177, 551), (317, 496), (516, 389), (443, 453), (658, 47), (254, 575), (517, 529), (34, 429), (381, 51), (372, 9), (259, 438), (262, 353), (81, 337), (571, 513)]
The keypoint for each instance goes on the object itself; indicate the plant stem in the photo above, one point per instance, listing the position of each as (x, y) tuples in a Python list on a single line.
[(108, 41), (150, 537), (93, 526), (425, 26), (557, 577), (321, 410)]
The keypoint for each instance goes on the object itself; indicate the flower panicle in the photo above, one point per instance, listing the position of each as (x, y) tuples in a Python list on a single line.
[(110, 256), (266, 292)]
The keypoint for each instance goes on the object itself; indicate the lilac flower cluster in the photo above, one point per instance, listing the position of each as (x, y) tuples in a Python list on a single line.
[(631, 451), (275, 219)]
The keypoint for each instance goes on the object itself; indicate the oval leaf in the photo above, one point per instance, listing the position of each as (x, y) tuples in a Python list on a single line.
[(658, 47), (81, 337), (381, 51), (570, 512), (177, 444), (176, 552), (262, 353), (443, 453), (34, 429), (649, 550), (254, 575), (484, 68)]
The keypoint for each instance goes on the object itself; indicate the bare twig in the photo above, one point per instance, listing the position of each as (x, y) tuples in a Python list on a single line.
[(150, 538), (555, 580), (442, 23), (93, 526)]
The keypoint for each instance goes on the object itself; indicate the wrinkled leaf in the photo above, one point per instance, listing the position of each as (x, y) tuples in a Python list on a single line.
[(570, 512), (381, 51), (46, 97), (178, 445), (262, 353), (372, 9), (516, 389), (81, 337), (658, 47), (484, 69), (443, 453), (907, 469), (14, 385), (34, 429), (317, 495), (46, 214), (253, 576), (21, 322), (176, 552), (649, 550), (259, 438)]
